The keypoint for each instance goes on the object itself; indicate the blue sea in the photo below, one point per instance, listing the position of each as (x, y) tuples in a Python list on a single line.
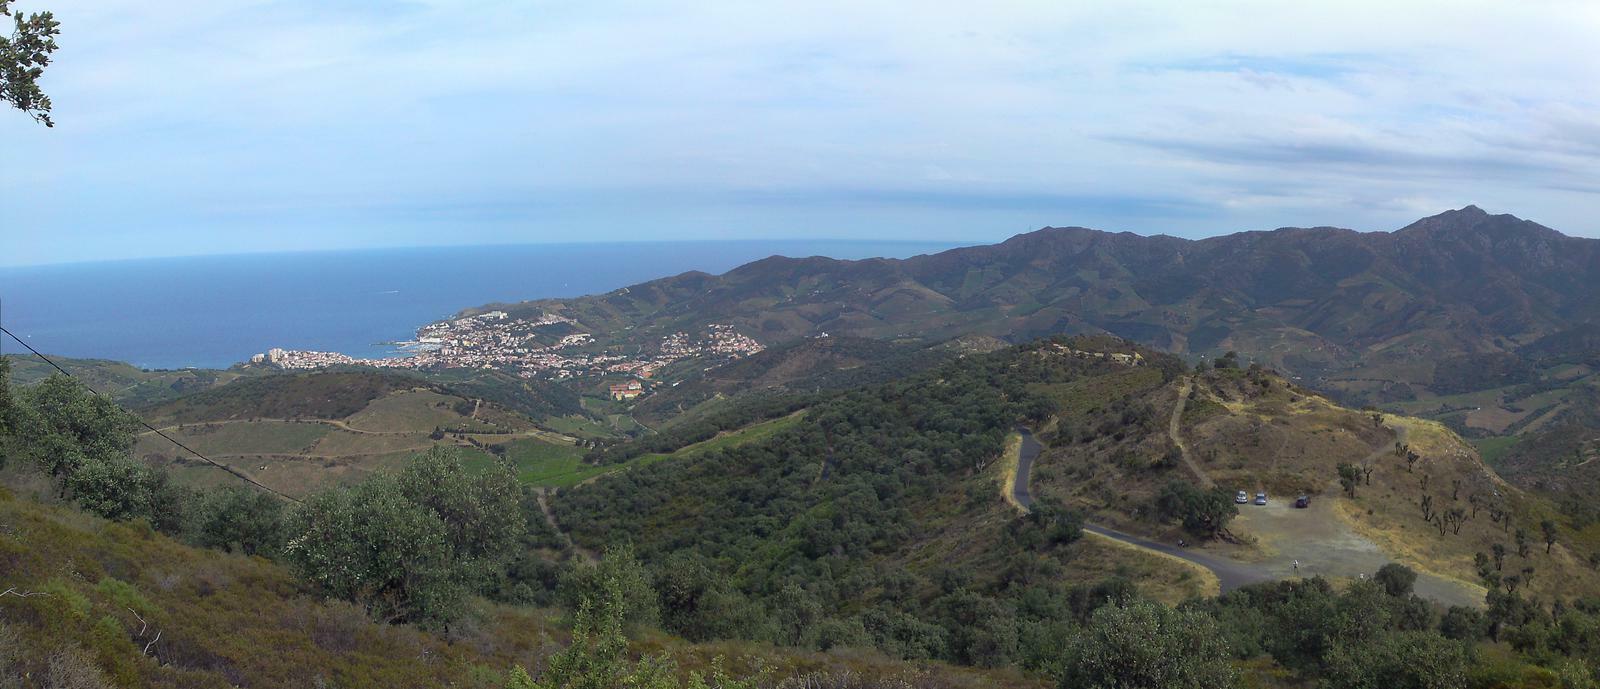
[(215, 311)]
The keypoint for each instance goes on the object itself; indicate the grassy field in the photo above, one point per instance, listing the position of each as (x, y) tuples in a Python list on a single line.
[(1492, 449), (423, 410), (268, 437), (340, 442), (579, 426), (549, 464)]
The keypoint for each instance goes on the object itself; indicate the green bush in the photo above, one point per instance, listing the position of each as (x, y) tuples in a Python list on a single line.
[(1145, 645), (411, 547), (238, 519)]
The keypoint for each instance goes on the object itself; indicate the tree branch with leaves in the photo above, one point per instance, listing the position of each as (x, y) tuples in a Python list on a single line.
[(23, 57)]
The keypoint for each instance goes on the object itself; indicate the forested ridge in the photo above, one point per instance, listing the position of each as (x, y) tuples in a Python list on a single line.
[(872, 523), (797, 529), (1484, 322)]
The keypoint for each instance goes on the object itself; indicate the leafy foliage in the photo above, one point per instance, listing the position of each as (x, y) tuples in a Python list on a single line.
[(787, 537), (1143, 645), (597, 656), (1204, 513), (23, 58), (83, 442), (238, 519), (410, 547)]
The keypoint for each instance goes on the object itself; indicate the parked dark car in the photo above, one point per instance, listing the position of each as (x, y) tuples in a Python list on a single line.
[(1302, 502)]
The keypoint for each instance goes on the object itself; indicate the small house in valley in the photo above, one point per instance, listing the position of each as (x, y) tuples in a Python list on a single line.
[(627, 391)]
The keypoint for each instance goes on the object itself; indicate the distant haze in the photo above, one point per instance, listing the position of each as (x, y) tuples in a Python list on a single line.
[(243, 126)]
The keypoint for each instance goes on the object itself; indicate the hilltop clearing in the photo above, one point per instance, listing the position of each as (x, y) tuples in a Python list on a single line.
[(1381, 488)]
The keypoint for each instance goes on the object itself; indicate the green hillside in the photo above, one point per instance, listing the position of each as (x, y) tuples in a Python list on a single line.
[(1483, 322), (128, 384), (864, 538), (877, 517), (101, 604)]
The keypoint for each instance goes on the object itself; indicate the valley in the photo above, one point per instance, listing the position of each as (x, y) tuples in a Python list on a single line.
[(498, 345), (907, 471)]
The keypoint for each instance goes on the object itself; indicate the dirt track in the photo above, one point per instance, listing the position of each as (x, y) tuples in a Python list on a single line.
[(1318, 539), (1174, 431)]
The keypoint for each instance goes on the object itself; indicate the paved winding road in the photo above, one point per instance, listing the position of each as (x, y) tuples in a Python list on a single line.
[(1339, 550), (1231, 574)]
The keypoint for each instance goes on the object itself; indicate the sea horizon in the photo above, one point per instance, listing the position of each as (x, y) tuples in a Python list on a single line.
[(213, 311)]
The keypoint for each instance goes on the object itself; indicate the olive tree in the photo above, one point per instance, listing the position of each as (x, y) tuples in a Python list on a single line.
[(410, 547), (1396, 579), (1398, 660), (1203, 512), (1142, 644)]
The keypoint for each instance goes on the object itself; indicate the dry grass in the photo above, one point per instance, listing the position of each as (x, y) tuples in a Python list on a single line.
[(228, 620), (1389, 512), (1286, 441), (1008, 471), (1164, 577)]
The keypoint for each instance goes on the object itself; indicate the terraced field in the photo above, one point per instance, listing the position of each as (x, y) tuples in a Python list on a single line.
[(300, 456)]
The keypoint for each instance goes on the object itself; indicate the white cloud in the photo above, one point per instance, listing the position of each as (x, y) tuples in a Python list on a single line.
[(234, 125)]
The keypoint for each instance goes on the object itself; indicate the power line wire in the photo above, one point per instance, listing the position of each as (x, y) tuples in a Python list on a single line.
[(241, 475)]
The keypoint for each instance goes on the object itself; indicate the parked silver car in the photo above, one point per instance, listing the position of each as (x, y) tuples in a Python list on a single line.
[(1242, 497)]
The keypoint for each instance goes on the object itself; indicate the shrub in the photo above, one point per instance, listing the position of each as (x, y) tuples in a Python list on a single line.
[(411, 547), (1396, 579), (71, 668), (1204, 513), (620, 569), (1398, 659), (239, 519), (1144, 644)]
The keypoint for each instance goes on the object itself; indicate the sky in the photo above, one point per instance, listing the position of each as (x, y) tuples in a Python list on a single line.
[(231, 126)]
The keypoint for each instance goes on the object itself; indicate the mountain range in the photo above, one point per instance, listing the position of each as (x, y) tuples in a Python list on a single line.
[(1460, 317), (1337, 304)]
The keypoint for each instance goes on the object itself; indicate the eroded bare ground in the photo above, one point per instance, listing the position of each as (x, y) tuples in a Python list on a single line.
[(1325, 545)]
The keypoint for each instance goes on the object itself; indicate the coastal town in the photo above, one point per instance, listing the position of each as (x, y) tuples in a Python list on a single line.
[(550, 346)]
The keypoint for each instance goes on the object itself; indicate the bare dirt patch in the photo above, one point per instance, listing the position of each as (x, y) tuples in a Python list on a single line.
[(1325, 545)]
